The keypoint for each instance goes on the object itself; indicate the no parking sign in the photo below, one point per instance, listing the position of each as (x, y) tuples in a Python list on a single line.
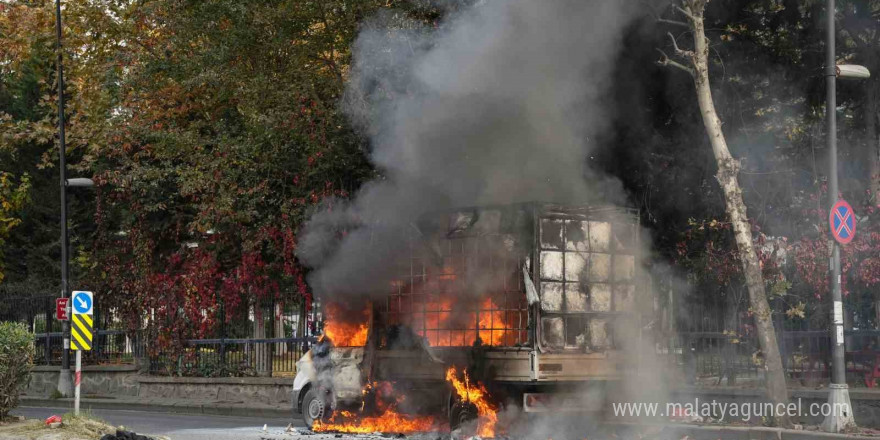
[(842, 220)]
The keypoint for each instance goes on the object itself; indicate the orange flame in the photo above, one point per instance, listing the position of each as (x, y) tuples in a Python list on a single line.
[(388, 421), (391, 421), (491, 327), (437, 316), (477, 395), (345, 334)]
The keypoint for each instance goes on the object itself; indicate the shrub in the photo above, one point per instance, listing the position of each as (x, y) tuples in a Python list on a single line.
[(16, 356)]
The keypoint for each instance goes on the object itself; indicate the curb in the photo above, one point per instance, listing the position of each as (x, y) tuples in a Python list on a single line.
[(219, 409)]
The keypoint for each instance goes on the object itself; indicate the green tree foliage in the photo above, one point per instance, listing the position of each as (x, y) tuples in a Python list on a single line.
[(12, 198), (210, 128), (16, 357)]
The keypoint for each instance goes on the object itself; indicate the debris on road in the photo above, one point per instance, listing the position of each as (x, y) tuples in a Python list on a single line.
[(53, 421), (125, 435)]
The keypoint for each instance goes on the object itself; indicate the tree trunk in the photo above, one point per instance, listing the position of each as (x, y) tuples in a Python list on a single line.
[(728, 169)]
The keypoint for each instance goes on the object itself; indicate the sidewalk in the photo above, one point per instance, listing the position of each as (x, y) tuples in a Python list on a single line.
[(179, 406)]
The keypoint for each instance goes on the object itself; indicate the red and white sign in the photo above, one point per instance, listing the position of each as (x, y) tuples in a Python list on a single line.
[(61, 309), (842, 221)]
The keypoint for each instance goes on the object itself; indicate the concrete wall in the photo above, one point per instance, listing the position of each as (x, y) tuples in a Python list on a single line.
[(124, 381), (264, 390), (99, 380)]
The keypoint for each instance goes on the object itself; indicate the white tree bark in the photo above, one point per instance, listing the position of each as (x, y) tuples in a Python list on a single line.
[(728, 170)]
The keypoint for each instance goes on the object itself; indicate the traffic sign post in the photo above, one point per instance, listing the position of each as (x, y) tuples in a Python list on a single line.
[(82, 332), (843, 223), (76, 381)]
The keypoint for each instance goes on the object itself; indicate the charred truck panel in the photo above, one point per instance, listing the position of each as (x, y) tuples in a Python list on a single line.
[(527, 297)]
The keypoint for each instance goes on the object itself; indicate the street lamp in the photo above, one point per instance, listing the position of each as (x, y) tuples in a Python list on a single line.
[(841, 415), (80, 182), (65, 386), (852, 71)]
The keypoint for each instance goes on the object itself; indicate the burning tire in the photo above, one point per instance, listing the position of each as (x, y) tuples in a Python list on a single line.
[(314, 407), (461, 413)]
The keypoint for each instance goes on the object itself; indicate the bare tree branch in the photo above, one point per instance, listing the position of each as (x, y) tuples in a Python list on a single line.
[(680, 52), (658, 18), (685, 12), (673, 22), (665, 61)]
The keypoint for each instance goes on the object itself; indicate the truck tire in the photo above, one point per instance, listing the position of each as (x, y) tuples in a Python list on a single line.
[(461, 413), (313, 408)]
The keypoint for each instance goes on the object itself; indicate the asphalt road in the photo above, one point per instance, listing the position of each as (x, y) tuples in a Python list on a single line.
[(205, 427), (183, 426)]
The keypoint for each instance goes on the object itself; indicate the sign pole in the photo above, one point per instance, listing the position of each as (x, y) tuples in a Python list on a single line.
[(64, 375), (841, 415), (82, 333), (77, 380)]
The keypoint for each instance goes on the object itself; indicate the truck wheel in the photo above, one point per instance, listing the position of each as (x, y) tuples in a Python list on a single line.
[(461, 413), (313, 408)]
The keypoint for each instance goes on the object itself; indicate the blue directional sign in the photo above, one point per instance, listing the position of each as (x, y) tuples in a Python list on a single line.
[(842, 221), (82, 303)]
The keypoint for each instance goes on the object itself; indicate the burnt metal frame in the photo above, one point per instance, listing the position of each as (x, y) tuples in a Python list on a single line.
[(519, 309), (533, 313), (590, 213)]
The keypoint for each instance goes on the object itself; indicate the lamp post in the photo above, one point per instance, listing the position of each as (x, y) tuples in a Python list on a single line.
[(841, 415), (65, 386)]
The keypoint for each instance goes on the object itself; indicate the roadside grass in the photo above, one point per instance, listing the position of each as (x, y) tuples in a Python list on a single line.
[(85, 427)]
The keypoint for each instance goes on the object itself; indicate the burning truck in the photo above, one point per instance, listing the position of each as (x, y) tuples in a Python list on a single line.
[(534, 305)]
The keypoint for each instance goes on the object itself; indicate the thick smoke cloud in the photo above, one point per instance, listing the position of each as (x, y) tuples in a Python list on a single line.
[(502, 102)]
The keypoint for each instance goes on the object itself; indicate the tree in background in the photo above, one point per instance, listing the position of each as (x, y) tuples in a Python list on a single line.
[(16, 357), (210, 129), (13, 196), (727, 176)]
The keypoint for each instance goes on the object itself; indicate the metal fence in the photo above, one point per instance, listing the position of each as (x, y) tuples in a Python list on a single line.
[(199, 357), (252, 342), (108, 347), (232, 357), (715, 339), (37, 312), (717, 358)]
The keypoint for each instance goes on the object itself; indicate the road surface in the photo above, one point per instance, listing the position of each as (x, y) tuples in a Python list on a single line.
[(213, 427), (183, 426)]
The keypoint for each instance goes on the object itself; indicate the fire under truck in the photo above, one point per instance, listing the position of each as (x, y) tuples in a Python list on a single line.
[(541, 302)]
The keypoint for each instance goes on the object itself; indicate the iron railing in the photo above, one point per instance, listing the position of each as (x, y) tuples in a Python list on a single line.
[(718, 358), (108, 347), (231, 357)]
